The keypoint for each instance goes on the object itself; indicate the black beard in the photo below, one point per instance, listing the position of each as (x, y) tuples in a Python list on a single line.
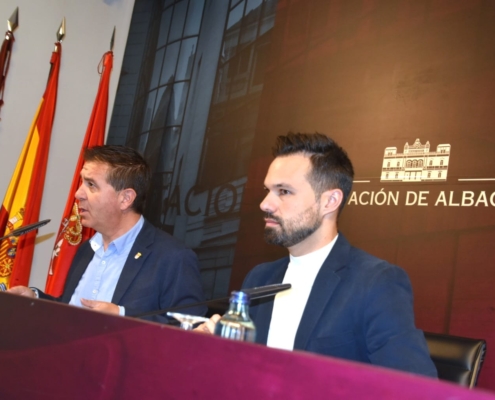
[(288, 239)]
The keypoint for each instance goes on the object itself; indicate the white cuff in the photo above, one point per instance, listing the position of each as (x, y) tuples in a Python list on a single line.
[(36, 293)]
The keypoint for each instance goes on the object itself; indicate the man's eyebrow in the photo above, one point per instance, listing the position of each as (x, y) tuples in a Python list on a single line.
[(279, 185), (87, 179)]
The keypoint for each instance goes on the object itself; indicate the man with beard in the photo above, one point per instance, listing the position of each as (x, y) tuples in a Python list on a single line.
[(343, 302)]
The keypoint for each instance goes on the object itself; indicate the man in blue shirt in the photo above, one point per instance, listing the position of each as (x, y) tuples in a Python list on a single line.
[(128, 267)]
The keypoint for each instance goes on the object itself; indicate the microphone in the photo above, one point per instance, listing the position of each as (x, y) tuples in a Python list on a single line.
[(254, 293), (267, 290), (25, 229)]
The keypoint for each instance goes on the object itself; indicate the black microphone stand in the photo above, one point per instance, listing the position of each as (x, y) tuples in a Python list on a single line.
[(21, 231), (25, 229), (254, 293)]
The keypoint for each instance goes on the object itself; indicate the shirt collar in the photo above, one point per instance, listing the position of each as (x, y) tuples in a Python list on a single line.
[(316, 256), (122, 242)]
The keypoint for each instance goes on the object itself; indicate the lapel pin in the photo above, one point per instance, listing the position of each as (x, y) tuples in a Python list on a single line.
[(138, 254)]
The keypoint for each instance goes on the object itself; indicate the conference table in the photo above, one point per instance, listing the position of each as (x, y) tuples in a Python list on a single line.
[(55, 351)]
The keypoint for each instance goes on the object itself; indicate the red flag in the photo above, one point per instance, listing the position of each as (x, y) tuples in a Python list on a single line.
[(5, 52), (71, 232), (22, 202)]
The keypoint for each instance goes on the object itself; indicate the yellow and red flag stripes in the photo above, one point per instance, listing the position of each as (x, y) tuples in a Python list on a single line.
[(22, 202), (71, 232)]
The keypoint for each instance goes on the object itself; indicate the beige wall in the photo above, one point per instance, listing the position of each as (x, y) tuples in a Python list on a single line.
[(89, 26)]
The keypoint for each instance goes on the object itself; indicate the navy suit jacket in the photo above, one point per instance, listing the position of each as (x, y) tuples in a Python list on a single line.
[(165, 275), (360, 308)]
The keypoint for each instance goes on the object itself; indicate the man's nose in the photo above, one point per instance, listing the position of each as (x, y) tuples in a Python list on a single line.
[(79, 193), (267, 204)]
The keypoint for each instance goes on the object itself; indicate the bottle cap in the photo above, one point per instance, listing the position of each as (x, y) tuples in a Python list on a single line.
[(239, 297)]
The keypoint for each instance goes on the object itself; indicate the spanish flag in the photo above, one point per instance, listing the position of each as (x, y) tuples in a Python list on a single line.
[(71, 233), (22, 202)]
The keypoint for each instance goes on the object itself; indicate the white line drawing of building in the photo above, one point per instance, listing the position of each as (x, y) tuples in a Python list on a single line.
[(416, 164)]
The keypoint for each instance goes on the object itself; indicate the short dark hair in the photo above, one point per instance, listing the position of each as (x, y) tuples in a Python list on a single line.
[(128, 170), (331, 167)]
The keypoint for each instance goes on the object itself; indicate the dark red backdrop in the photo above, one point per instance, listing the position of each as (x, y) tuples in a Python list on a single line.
[(377, 74)]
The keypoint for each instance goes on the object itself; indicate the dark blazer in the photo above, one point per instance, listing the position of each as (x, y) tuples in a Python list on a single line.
[(165, 275), (360, 308)]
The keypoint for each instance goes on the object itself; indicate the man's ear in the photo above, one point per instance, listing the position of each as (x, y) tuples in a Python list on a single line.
[(331, 200), (126, 198)]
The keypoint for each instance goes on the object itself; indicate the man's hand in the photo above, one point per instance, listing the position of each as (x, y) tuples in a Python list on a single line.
[(209, 326), (101, 306), (22, 290)]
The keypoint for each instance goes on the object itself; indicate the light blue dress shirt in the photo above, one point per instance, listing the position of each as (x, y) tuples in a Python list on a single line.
[(100, 278)]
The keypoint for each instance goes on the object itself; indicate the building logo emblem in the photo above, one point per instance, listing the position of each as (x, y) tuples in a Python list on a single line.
[(416, 164)]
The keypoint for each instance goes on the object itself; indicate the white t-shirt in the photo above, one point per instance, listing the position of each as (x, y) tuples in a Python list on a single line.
[(289, 305)]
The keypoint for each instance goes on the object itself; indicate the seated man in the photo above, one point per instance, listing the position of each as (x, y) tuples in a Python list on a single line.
[(343, 302), (128, 267)]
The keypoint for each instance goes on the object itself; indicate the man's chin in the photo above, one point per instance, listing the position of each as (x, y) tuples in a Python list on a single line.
[(85, 223), (272, 236), (270, 230)]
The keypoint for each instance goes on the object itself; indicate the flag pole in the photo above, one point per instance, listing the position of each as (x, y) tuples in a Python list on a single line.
[(24, 196), (6, 50), (71, 232)]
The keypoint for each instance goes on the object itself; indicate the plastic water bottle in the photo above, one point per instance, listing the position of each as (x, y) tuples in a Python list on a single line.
[(236, 323)]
